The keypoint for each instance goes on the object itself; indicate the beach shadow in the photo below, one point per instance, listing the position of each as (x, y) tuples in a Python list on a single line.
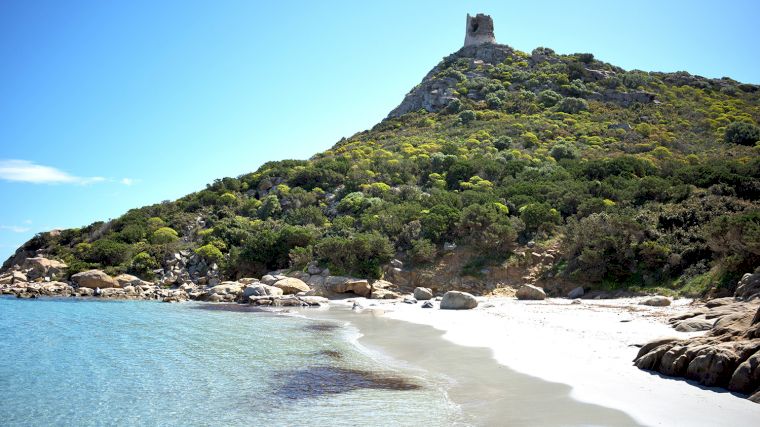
[(718, 390)]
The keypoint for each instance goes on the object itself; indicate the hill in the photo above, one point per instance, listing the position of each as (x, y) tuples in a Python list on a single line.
[(575, 169)]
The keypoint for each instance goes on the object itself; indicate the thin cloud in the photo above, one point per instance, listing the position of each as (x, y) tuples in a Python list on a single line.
[(26, 171), (14, 228), (128, 181)]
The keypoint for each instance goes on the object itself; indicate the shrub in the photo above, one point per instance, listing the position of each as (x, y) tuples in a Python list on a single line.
[(572, 105), (423, 251), (539, 215), (163, 236), (227, 199), (742, 133), (455, 105), (300, 257), (549, 98), (563, 151), (601, 246), (210, 253), (488, 226), (108, 252), (362, 254), (143, 265), (466, 116)]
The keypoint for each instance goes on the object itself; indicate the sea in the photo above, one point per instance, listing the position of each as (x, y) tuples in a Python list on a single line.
[(78, 362)]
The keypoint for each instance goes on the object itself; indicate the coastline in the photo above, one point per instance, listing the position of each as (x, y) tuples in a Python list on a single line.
[(485, 391), (587, 348)]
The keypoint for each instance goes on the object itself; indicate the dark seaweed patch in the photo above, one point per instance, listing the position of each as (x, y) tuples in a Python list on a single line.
[(325, 380), (242, 308), (333, 354), (321, 327)]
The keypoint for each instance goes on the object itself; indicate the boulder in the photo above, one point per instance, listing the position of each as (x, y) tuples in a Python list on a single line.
[(695, 324), (423, 294), (384, 294), (341, 285), (38, 267), (747, 376), (657, 301), (713, 366), (530, 292), (291, 285), (383, 289), (410, 301), (748, 287), (248, 281), (94, 279), (261, 290), (427, 304), (269, 279), (128, 279), (576, 293), (228, 288), (456, 300)]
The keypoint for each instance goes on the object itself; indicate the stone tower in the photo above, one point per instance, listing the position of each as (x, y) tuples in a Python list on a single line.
[(479, 30)]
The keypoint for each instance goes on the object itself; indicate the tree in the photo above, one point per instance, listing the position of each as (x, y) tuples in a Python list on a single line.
[(210, 253)]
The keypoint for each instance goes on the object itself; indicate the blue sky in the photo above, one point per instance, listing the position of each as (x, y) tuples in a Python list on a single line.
[(109, 105)]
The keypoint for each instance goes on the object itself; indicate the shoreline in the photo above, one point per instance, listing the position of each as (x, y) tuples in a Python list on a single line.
[(588, 347), (485, 391)]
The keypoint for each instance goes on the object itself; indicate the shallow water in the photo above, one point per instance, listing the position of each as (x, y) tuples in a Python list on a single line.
[(85, 362)]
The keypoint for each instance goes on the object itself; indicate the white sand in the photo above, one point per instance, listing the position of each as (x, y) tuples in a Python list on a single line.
[(589, 347)]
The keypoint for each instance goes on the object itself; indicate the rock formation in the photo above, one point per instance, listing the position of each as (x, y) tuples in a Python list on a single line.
[(728, 355)]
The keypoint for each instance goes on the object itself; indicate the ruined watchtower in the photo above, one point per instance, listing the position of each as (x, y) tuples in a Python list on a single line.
[(479, 30)]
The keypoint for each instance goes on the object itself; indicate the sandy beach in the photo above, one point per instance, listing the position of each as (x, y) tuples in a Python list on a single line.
[(587, 347)]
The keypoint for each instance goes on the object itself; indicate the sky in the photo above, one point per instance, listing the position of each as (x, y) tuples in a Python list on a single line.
[(110, 105)]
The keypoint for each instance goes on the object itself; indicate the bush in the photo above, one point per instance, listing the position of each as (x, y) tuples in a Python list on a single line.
[(361, 255), (488, 226), (549, 98), (210, 253), (539, 216), (143, 265), (742, 133), (466, 116), (563, 151), (164, 235), (600, 246), (572, 105), (227, 199), (422, 252), (108, 252), (454, 106)]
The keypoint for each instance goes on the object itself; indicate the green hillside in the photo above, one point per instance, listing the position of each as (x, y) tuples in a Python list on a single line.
[(641, 179)]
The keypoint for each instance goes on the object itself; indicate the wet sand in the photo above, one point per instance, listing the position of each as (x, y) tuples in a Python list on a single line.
[(487, 392)]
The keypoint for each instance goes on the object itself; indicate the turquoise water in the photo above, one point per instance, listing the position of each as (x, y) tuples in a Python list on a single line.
[(87, 363)]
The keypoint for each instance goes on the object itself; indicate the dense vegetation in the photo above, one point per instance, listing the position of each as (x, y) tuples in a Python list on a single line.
[(662, 193)]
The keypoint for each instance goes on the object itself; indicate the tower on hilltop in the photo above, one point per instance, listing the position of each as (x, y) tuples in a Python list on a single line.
[(479, 30)]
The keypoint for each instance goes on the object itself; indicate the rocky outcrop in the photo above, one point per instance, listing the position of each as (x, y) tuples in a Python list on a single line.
[(530, 292), (94, 279), (40, 267), (456, 300), (726, 356)]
